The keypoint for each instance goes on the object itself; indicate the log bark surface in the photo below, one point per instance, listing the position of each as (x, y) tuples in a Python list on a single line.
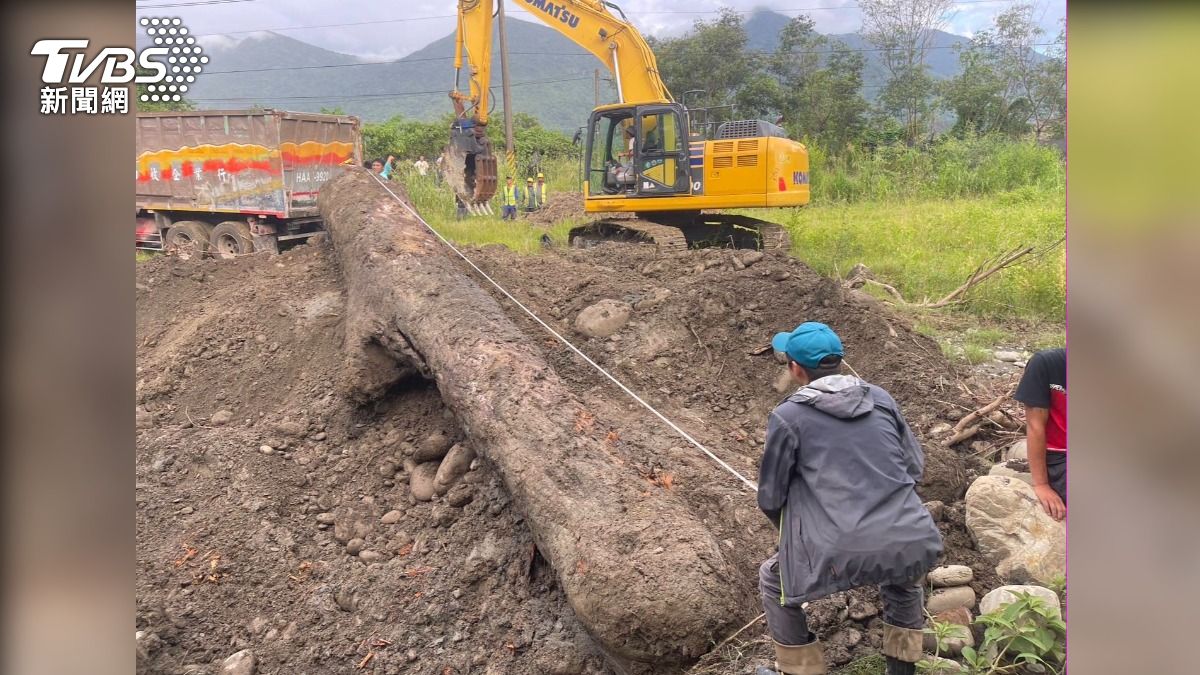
[(641, 572)]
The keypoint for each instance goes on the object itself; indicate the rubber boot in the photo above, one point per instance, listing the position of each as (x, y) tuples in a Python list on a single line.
[(902, 647), (806, 659)]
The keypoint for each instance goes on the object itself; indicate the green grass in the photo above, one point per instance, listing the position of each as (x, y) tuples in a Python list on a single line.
[(140, 255), (873, 664), (436, 205), (985, 337), (928, 247)]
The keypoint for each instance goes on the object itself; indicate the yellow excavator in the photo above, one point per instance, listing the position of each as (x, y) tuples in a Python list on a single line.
[(646, 160)]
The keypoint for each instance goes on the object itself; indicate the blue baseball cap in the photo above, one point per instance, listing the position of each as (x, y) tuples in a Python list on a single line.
[(808, 344)]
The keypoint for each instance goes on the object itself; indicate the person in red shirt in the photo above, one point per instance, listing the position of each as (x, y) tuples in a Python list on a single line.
[(1043, 390)]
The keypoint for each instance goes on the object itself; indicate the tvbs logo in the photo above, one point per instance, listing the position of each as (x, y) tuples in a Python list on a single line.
[(167, 68)]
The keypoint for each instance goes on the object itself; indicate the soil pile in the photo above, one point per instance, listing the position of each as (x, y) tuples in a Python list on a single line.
[(275, 516), (559, 206)]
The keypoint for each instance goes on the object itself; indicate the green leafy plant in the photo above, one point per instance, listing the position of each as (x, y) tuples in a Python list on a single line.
[(1027, 635)]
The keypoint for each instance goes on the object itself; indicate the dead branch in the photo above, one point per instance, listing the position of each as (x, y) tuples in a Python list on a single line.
[(860, 276), (964, 429)]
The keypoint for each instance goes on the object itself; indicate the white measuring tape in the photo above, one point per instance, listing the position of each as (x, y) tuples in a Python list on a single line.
[(749, 483)]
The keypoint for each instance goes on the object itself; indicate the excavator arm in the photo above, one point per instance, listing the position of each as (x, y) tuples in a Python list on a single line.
[(471, 170)]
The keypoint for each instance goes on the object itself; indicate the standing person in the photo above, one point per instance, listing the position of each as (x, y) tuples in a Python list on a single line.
[(437, 168), (509, 198), (421, 165), (539, 191), (461, 208), (1043, 390), (531, 196), (838, 480)]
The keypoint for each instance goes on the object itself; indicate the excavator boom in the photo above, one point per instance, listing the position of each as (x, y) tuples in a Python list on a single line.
[(471, 167)]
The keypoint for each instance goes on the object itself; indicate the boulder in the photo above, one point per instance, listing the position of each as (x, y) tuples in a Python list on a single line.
[(1018, 450), (951, 575), (1010, 527), (998, 598), (603, 319), (950, 598)]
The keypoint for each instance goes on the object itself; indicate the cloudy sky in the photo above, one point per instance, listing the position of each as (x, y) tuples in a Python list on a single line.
[(389, 30)]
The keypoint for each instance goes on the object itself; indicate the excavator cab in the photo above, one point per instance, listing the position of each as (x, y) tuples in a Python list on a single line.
[(638, 151)]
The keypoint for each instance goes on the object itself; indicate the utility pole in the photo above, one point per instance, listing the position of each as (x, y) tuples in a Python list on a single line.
[(510, 153), (596, 85)]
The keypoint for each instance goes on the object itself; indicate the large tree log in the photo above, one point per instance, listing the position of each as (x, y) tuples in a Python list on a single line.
[(641, 572)]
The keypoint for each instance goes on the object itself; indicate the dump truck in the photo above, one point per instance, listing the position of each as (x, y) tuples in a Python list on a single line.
[(232, 182)]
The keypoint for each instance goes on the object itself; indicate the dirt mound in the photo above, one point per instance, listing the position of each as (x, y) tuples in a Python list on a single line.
[(559, 206), (243, 523)]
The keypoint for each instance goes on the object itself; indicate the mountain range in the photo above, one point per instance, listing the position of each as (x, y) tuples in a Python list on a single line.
[(552, 77)]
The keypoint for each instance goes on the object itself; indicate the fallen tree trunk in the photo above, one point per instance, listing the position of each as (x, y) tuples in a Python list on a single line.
[(641, 572)]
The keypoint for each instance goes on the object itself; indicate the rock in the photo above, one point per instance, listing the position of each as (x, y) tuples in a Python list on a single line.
[(391, 517), (444, 516), (751, 257), (257, 625), (422, 482), (346, 600), (603, 319), (936, 509), (998, 598), (1006, 470), (653, 299), (1007, 356), (1018, 450), (936, 665), (460, 495), (940, 429), (240, 663), (290, 428), (950, 598), (433, 447), (953, 639), (319, 436), (958, 615), (325, 518), (266, 449), (354, 546), (861, 611), (387, 469), (1010, 527), (221, 418), (456, 463), (951, 575), (369, 556)]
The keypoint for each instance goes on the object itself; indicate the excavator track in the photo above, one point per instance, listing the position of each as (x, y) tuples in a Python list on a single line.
[(702, 231)]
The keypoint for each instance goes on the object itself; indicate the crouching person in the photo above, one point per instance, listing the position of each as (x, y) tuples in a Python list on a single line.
[(838, 480)]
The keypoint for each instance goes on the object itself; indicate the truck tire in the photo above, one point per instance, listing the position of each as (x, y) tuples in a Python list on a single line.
[(187, 238), (231, 239)]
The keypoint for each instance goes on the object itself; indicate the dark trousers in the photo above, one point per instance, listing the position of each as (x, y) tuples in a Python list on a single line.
[(508, 213), (1056, 471), (903, 606)]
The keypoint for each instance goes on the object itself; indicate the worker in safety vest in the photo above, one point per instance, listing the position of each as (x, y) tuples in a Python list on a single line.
[(530, 195), (537, 193), (509, 198)]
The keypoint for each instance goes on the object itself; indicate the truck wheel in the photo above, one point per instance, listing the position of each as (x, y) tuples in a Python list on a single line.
[(188, 238), (231, 239)]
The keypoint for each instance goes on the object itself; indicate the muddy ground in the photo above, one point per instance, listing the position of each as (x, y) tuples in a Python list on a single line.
[(243, 523)]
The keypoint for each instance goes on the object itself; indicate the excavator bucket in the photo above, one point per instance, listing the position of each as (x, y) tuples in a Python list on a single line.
[(470, 166)]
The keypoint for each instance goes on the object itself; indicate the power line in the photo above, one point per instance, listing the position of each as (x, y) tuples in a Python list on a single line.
[(192, 4), (349, 97), (402, 61), (633, 12)]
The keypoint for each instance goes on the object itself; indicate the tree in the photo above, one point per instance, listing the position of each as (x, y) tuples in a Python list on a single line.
[(902, 30), (712, 57), (820, 84), (981, 97)]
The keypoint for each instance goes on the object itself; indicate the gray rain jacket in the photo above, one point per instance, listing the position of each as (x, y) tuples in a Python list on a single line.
[(838, 479)]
